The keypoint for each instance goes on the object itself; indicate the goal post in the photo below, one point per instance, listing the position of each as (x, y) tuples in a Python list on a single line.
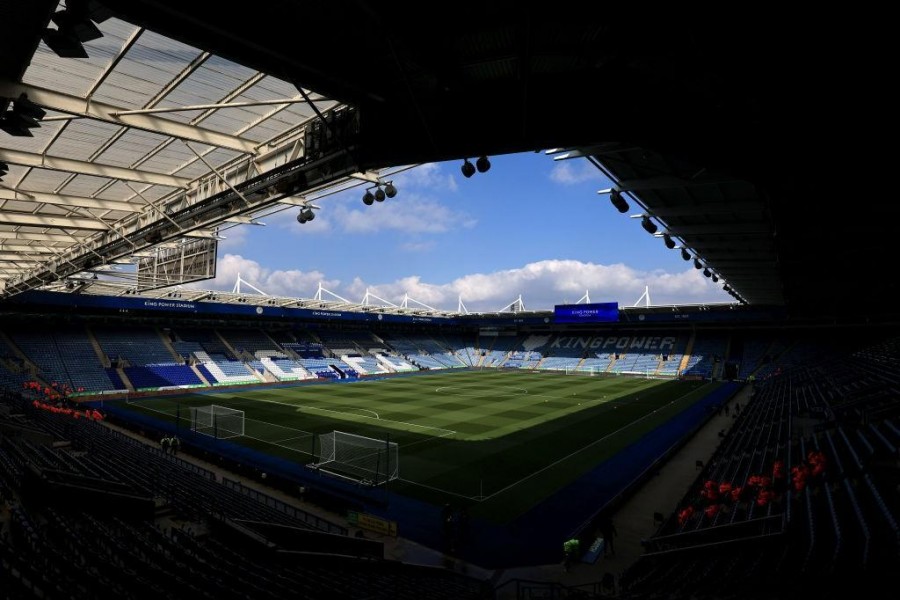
[(363, 459), (217, 421), (588, 371)]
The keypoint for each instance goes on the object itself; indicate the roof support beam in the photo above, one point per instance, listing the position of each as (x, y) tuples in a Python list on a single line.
[(12, 257), (55, 163), (50, 238), (153, 111), (100, 111), (65, 200), (369, 176), (50, 222), (27, 249)]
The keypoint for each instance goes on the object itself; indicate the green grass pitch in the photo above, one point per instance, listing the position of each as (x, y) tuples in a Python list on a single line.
[(500, 441)]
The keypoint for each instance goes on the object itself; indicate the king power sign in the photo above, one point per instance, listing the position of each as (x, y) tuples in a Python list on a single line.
[(627, 342)]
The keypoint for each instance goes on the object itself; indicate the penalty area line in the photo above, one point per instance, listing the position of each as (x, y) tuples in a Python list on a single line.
[(344, 413)]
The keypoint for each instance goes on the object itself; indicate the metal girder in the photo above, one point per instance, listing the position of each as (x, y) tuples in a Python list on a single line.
[(40, 237), (66, 200), (196, 212), (51, 222), (367, 176), (26, 249), (100, 111), (294, 201), (16, 258), (202, 233), (243, 220), (30, 159)]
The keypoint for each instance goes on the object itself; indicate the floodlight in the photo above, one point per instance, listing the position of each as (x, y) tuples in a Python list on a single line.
[(483, 164), (468, 169), (368, 198), (648, 225), (669, 242), (615, 196), (379, 195), (389, 190)]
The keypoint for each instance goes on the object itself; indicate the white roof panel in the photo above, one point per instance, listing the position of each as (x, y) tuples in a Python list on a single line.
[(84, 185), (130, 148), (134, 69), (44, 180), (81, 138)]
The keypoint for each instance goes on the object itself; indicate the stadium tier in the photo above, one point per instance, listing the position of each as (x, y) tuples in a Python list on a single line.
[(798, 490), (804, 461), (136, 345)]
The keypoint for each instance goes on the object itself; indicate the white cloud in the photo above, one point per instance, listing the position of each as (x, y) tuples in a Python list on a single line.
[(235, 238), (548, 282), (570, 172), (416, 247), (291, 283), (409, 214), (541, 284), (430, 176)]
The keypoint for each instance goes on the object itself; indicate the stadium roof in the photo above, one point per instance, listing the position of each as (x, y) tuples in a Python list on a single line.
[(732, 133), (142, 128)]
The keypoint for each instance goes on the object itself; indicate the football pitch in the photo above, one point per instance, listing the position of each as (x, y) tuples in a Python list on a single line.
[(498, 441)]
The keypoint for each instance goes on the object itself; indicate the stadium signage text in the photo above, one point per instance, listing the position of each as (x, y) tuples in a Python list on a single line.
[(616, 342), (164, 304)]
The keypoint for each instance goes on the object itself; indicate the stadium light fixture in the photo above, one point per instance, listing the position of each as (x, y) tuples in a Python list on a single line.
[(707, 273), (697, 263), (668, 241), (305, 215), (368, 198), (379, 194), (615, 196), (389, 190), (648, 225), (715, 278), (685, 254), (483, 164), (468, 169)]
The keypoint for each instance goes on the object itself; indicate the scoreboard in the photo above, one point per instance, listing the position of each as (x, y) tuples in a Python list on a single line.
[(602, 312)]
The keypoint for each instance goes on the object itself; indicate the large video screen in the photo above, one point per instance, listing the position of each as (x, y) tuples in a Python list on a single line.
[(602, 312)]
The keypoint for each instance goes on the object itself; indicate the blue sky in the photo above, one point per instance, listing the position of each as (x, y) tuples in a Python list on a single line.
[(529, 226)]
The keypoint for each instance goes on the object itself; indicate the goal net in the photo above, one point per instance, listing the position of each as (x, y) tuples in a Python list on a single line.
[(367, 460), (217, 421), (589, 371)]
